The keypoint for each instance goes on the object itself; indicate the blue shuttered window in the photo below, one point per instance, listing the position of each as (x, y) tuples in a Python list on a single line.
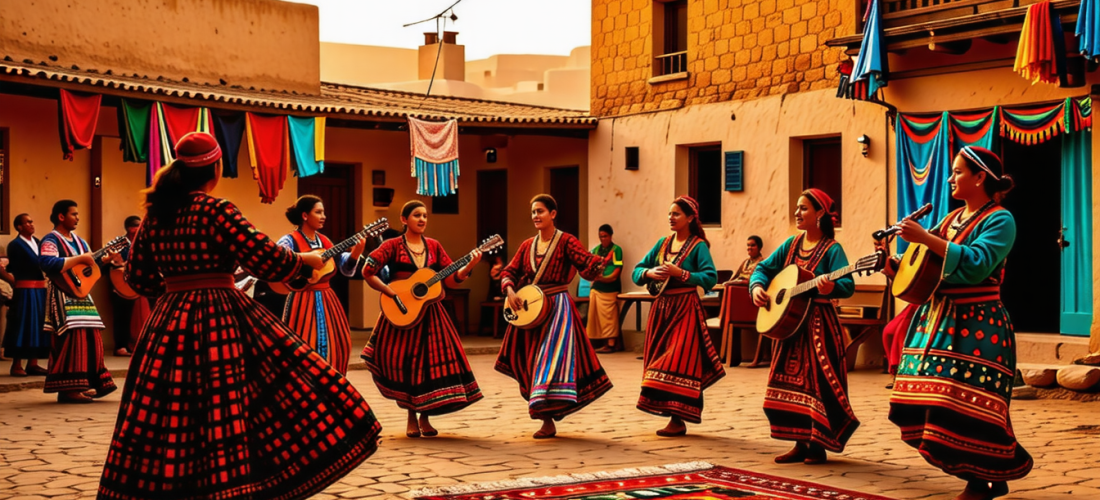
[(735, 170)]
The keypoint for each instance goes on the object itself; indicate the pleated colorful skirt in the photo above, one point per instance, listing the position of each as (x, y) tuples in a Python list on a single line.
[(680, 358), (557, 369), (318, 318), (76, 363), (424, 368)]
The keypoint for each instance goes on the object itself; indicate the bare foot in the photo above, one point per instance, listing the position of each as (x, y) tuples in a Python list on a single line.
[(411, 428), (548, 429), (675, 427), (797, 454), (426, 428)]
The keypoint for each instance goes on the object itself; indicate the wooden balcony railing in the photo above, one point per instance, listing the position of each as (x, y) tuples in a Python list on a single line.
[(673, 63), (913, 23)]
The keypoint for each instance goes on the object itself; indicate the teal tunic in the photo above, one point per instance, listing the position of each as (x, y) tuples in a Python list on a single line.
[(954, 384), (680, 358), (807, 395)]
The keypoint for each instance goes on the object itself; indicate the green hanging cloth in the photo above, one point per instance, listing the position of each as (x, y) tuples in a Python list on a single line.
[(133, 128)]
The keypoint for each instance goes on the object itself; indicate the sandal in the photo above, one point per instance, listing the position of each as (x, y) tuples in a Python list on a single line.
[(796, 455), (545, 435), (18, 372)]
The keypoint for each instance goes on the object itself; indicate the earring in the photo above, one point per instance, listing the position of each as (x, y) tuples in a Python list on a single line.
[(819, 222)]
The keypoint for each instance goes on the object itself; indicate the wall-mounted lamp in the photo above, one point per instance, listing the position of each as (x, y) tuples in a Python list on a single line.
[(864, 143), (491, 155)]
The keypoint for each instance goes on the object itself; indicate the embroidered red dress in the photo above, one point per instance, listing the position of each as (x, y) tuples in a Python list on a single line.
[(807, 396), (423, 368), (223, 400), (557, 369)]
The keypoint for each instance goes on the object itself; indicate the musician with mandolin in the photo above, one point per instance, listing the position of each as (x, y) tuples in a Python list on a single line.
[(313, 311), (76, 373), (807, 395), (130, 309), (958, 365), (415, 354), (545, 347), (680, 359)]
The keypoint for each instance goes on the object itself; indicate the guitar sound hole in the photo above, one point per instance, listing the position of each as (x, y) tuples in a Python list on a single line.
[(779, 297), (87, 272), (419, 290), (916, 255)]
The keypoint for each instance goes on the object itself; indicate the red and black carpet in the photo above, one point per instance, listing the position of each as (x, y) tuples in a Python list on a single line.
[(690, 481)]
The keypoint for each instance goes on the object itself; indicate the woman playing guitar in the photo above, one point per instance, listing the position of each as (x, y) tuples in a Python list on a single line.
[(557, 369), (957, 368), (807, 396), (680, 359), (315, 313), (423, 368)]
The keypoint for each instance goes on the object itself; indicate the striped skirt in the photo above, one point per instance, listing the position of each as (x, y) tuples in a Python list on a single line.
[(424, 368), (76, 363), (680, 359), (319, 320), (557, 369), (223, 401), (954, 386), (807, 395), (24, 337)]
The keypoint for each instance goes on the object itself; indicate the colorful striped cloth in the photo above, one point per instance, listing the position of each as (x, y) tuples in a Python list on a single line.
[(77, 116), (1041, 54), (307, 136), (434, 156)]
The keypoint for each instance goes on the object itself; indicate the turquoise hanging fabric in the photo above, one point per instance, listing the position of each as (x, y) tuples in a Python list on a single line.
[(1077, 220), (923, 161), (976, 128), (1088, 30), (303, 139), (434, 148)]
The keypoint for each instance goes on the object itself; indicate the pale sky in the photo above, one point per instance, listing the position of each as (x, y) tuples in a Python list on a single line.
[(485, 27)]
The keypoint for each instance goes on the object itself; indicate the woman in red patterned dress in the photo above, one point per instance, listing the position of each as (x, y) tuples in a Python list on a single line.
[(222, 400), (423, 368), (557, 369)]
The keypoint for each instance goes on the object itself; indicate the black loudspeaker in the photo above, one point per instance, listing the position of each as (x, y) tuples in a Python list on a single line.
[(632, 158), (491, 155), (383, 197)]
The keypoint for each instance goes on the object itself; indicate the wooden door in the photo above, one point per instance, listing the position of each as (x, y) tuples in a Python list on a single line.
[(336, 187), (565, 188)]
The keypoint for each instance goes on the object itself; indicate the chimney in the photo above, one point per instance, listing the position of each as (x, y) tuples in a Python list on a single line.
[(451, 56)]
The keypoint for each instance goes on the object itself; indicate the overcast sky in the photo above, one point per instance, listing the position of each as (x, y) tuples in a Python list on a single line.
[(485, 27)]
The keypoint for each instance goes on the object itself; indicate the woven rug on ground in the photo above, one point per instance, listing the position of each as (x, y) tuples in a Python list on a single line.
[(687, 481)]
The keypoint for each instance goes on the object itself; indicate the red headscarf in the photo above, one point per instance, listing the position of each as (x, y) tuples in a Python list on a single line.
[(696, 223), (824, 201), (198, 149)]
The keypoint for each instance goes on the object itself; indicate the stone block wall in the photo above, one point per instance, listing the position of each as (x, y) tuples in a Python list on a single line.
[(737, 50)]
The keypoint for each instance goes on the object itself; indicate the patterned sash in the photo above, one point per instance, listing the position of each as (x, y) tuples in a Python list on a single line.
[(541, 268), (62, 311)]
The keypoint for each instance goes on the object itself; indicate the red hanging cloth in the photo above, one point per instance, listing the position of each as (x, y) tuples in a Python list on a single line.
[(268, 153), (77, 115)]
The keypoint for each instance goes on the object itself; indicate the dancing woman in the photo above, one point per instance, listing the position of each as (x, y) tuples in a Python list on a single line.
[(423, 368), (954, 383), (557, 369), (315, 313), (223, 400), (807, 396), (680, 359)]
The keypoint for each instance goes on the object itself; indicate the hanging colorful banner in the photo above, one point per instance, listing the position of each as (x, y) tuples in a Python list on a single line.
[(133, 129), (923, 162), (307, 137), (268, 152), (77, 116), (1088, 30), (1081, 119), (975, 128), (229, 130), (434, 156), (1041, 53), (1034, 124)]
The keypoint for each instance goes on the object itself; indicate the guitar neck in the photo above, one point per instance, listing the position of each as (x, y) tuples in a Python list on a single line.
[(98, 254), (339, 248), (449, 270), (812, 284)]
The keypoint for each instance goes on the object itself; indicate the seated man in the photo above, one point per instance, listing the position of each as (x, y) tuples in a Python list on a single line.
[(755, 246)]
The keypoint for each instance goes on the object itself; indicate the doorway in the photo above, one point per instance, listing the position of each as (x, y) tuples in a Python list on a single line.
[(336, 186), (1032, 285), (565, 188)]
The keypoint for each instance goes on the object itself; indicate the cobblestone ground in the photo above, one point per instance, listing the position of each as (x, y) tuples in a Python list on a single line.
[(54, 451)]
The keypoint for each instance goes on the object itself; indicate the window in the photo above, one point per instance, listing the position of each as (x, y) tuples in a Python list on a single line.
[(705, 183), (821, 168), (670, 46), (445, 204)]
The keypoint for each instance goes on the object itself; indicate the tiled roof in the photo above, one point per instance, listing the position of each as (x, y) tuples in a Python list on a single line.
[(338, 101)]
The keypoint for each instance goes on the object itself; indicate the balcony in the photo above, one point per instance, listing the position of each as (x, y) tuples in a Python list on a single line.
[(950, 25), (670, 67)]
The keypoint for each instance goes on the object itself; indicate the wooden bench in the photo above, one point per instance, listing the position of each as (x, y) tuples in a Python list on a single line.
[(864, 315)]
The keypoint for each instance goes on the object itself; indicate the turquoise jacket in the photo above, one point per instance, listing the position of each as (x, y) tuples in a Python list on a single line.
[(698, 263), (834, 259)]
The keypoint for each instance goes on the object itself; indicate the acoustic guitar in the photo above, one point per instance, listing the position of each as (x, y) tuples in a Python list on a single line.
[(298, 284), (919, 275), (79, 280), (533, 312), (122, 288), (788, 301), (413, 295)]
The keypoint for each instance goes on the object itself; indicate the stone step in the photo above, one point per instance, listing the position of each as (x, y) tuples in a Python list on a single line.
[(1049, 348)]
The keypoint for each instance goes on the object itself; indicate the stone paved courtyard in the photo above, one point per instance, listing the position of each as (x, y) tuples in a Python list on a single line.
[(54, 451)]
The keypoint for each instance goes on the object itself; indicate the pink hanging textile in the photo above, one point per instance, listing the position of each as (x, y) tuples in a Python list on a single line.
[(434, 156), (167, 124), (77, 115), (268, 152)]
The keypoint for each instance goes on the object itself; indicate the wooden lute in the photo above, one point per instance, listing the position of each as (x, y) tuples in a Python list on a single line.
[(424, 287), (122, 288), (534, 311), (919, 274), (371, 230), (789, 302), (79, 280)]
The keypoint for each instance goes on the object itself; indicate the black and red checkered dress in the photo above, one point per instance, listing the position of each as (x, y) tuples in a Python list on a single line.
[(222, 400)]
